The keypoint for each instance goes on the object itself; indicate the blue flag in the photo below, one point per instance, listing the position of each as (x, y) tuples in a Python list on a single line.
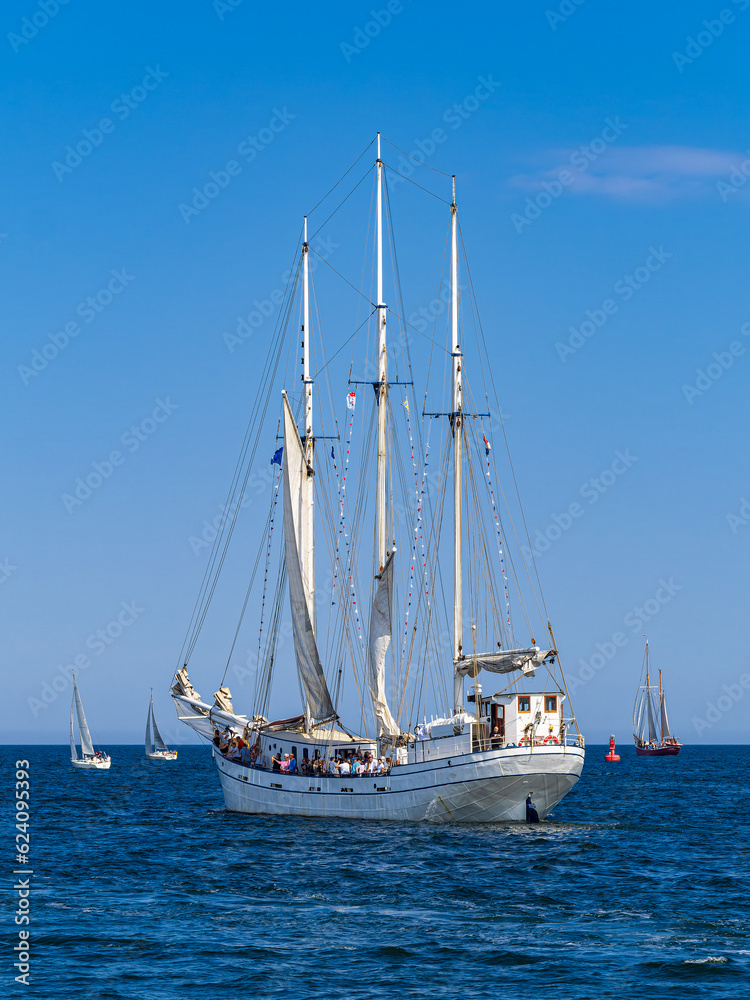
[(276, 460), (333, 455)]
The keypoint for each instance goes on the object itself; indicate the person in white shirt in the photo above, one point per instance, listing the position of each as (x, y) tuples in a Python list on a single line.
[(345, 767), (377, 766)]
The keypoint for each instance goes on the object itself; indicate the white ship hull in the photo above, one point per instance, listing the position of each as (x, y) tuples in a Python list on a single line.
[(92, 765), (486, 787)]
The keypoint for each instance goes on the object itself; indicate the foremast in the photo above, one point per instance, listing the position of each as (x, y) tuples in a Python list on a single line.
[(299, 527), (382, 383), (381, 612), (457, 424)]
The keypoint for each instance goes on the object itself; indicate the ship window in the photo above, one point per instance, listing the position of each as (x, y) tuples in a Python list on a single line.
[(294, 752), (524, 703), (304, 754), (550, 703)]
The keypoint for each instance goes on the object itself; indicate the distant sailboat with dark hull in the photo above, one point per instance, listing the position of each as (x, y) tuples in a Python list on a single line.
[(155, 747), (651, 732)]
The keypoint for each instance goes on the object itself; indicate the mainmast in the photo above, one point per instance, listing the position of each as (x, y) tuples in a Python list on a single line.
[(307, 527), (661, 707), (382, 383), (457, 421)]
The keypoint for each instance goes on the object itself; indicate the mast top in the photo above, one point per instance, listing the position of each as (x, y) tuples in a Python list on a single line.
[(378, 146)]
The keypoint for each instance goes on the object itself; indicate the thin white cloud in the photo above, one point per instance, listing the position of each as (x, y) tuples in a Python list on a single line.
[(638, 173)]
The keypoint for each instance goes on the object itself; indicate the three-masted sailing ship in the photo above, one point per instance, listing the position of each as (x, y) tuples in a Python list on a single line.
[(484, 753), (651, 732), (90, 759)]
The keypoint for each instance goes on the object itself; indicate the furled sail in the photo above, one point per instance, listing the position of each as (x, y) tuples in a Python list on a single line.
[(87, 748), (298, 492), (380, 638), (504, 661)]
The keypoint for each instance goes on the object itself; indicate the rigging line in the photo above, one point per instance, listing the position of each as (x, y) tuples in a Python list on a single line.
[(420, 162), (277, 344), (342, 177), (502, 423), (426, 190), (362, 276), (249, 589), (208, 594), (340, 204), (365, 320), (349, 283), (437, 313), (374, 305)]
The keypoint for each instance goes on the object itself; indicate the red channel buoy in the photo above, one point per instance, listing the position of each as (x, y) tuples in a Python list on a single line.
[(612, 755)]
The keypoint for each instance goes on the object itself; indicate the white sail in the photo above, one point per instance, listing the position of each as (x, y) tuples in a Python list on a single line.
[(664, 720), (503, 661), (650, 714), (159, 743), (147, 742), (380, 638), (87, 748), (73, 749), (297, 488)]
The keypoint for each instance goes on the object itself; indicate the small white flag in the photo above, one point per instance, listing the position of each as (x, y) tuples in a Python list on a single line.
[(351, 399)]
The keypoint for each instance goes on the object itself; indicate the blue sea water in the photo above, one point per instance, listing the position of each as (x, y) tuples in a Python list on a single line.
[(145, 887)]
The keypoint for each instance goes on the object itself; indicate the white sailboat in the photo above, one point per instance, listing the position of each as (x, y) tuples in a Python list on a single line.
[(488, 754), (154, 746), (90, 759)]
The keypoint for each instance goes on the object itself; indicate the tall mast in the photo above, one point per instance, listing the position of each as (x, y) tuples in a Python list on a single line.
[(308, 514), (382, 379), (661, 707), (456, 407)]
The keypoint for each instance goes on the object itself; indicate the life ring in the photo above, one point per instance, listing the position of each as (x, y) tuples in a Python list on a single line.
[(523, 741), (551, 739)]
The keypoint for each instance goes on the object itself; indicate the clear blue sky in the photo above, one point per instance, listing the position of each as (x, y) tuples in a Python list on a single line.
[(172, 91)]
